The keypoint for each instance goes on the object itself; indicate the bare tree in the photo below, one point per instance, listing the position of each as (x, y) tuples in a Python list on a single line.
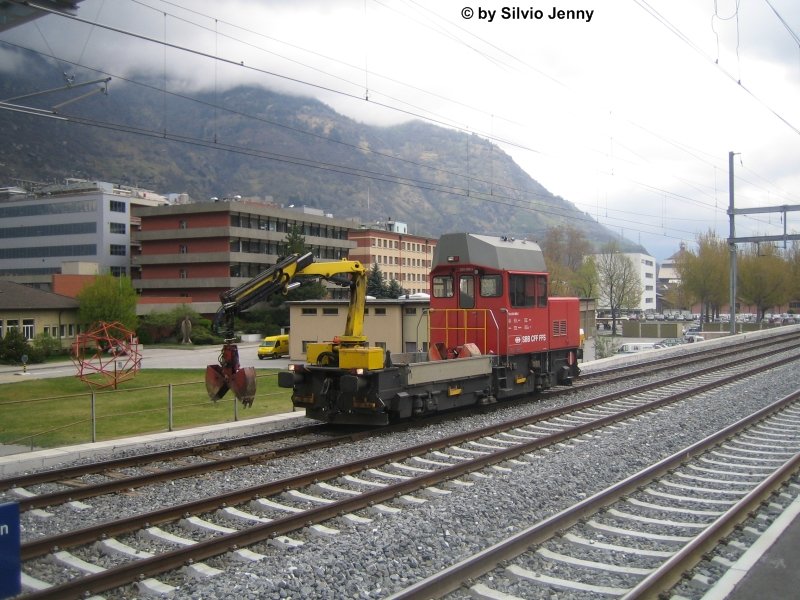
[(618, 281)]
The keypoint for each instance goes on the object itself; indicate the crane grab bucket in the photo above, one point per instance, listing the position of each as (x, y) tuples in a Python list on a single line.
[(229, 376)]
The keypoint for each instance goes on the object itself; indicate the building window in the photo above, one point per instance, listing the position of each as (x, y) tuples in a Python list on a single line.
[(116, 206), (119, 271), (410, 310), (183, 249), (182, 224), (183, 274), (330, 311), (117, 227), (308, 311), (118, 250), (27, 329), (380, 312)]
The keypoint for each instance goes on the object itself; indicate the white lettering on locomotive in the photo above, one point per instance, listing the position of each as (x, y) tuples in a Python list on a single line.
[(526, 339)]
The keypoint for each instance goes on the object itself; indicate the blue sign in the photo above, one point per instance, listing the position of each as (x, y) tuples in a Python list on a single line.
[(10, 570)]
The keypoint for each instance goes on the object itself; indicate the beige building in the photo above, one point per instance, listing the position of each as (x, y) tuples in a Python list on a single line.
[(399, 325), (33, 312)]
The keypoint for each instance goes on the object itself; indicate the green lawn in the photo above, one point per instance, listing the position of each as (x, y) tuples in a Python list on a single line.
[(47, 413)]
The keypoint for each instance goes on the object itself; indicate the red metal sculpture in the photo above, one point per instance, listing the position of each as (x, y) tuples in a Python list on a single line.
[(106, 355)]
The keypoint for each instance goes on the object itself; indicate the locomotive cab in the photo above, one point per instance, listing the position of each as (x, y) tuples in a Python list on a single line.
[(490, 294)]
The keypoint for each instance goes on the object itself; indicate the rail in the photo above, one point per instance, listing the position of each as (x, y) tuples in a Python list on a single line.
[(481, 563)]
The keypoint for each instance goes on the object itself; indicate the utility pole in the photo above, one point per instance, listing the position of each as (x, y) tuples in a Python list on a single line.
[(732, 245)]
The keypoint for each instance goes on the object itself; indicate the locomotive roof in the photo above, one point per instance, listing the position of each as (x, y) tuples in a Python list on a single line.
[(502, 253)]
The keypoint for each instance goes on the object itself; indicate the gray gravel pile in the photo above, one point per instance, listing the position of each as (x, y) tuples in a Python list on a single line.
[(394, 551)]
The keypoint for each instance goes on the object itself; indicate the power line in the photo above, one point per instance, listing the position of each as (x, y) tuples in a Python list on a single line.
[(216, 58), (534, 200)]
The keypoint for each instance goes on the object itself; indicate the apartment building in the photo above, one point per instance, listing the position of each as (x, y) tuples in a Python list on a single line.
[(198, 250), (400, 256)]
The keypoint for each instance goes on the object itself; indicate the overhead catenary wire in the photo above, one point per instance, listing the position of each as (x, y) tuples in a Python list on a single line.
[(316, 85)]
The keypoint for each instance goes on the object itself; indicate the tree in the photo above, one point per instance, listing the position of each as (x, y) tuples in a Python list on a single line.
[(565, 245), (13, 346), (395, 290), (792, 256), (376, 284), (618, 281), (109, 299), (586, 282), (295, 241), (564, 249), (705, 274), (762, 279)]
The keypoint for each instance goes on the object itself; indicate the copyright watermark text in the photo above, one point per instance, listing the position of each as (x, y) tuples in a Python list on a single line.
[(519, 13)]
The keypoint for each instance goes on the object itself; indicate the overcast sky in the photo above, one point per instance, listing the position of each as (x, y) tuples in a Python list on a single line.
[(626, 108)]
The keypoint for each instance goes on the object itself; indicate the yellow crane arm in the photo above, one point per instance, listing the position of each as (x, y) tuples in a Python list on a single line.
[(354, 329)]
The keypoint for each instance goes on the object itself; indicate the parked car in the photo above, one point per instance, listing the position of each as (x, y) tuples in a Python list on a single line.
[(668, 343), (632, 347), (692, 330)]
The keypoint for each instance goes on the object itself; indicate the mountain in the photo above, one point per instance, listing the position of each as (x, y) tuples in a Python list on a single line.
[(252, 142)]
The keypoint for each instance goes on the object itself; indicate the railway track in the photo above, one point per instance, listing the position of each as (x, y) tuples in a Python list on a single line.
[(640, 537), (75, 483), (320, 502)]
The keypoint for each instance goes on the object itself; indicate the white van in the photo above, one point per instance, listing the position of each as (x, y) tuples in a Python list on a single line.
[(632, 347)]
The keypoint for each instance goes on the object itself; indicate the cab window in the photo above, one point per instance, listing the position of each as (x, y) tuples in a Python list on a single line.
[(491, 286), (528, 290), (541, 291), (466, 291), (443, 286)]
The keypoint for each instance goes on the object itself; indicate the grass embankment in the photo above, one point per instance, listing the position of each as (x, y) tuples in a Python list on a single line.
[(55, 412)]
